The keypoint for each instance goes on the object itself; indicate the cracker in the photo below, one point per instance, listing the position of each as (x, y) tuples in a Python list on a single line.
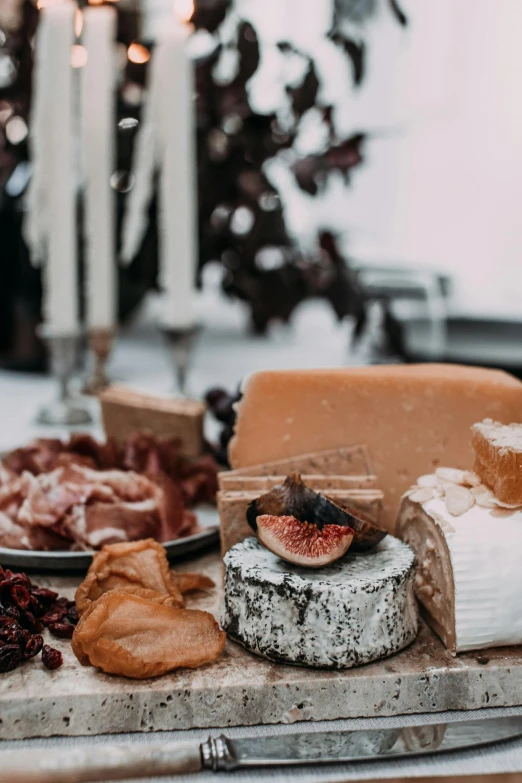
[(345, 461), (229, 481)]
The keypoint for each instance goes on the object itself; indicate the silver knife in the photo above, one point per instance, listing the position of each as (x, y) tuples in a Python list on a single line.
[(116, 762)]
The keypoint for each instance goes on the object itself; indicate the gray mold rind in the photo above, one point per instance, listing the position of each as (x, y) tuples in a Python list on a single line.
[(357, 610)]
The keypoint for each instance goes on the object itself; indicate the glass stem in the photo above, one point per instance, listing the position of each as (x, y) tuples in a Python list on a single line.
[(63, 387)]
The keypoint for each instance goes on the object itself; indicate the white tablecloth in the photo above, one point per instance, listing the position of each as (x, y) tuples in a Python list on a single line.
[(504, 757)]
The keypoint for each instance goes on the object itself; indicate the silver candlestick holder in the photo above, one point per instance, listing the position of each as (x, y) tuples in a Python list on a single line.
[(181, 342), (65, 410), (100, 344)]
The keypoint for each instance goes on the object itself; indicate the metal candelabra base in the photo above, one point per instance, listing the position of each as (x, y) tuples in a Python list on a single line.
[(181, 342), (100, 343), (65, 410)]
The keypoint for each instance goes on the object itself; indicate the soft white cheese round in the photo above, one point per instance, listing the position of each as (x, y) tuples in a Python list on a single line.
[(485, 549), (354, 611)]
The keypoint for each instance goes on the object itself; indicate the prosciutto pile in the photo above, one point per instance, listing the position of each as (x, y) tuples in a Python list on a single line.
[(83, 494)]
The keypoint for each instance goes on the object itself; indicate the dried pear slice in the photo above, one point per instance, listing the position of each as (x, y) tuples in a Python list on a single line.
[(134, 564), (132, 636)]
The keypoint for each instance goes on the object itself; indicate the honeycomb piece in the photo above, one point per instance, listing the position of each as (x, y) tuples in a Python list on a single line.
[(498, 459)]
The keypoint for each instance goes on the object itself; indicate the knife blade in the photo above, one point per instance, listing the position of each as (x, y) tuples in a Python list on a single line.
[(87, 764)]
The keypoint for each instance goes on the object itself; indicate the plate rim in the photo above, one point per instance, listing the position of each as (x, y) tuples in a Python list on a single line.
[(46, 554)]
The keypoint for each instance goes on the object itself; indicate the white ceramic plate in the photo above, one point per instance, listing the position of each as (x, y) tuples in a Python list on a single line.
[(208, 519)]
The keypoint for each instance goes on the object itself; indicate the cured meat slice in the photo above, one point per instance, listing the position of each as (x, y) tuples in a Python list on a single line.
[(132, 636), (90, 494), (16, 536), (12, 535), (175, 519), (99, 524)]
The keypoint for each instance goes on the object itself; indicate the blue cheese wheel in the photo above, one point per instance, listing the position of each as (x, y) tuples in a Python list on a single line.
[(356, 610)]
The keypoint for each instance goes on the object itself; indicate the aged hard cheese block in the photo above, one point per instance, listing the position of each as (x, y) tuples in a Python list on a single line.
[(355, 611), (412, 418), (232, 507), (125, 412), (469, 578)]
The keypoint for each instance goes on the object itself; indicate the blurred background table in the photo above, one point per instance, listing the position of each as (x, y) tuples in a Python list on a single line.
[(223, 355)]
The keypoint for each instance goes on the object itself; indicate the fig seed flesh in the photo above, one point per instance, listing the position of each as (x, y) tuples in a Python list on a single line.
[(303, 543)]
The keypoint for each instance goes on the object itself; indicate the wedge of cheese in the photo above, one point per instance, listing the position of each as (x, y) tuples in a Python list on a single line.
[(468, 578), (412, 418), (126, 411)]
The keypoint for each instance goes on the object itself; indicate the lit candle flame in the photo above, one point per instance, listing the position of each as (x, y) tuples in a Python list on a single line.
[(184, 9), (138, 54)]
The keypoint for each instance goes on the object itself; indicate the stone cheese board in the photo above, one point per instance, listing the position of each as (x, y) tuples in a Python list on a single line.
[(242, 689)]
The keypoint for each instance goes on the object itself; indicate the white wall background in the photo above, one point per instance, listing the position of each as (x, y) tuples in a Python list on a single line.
[(442, 186)]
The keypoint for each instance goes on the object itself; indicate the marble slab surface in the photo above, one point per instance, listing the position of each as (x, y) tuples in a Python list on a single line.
[(241, 689)]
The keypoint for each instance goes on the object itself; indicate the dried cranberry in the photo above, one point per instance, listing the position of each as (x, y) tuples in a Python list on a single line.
[(33, 647), (51, 658), (62, 602), (53, 617), (62, 630), (20, 596), (15, 579), (29, 621), (44, 595), (13, 613), (10, 657), (12, 634), (72, 615)]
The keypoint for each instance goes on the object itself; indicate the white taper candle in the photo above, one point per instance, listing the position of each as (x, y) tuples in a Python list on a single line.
[(98, 134), (177, 197), (56, 37)]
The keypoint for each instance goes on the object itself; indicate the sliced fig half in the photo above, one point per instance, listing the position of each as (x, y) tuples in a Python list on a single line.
[(294, 499), (303, 543), (366, 534)]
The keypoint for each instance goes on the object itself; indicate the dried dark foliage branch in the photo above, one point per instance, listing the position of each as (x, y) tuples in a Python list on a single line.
[(242, 222)]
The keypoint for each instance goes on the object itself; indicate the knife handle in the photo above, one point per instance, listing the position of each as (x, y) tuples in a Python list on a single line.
[(92, 763)]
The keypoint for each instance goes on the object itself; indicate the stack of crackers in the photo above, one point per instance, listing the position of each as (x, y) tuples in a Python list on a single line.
[(344, 475)]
